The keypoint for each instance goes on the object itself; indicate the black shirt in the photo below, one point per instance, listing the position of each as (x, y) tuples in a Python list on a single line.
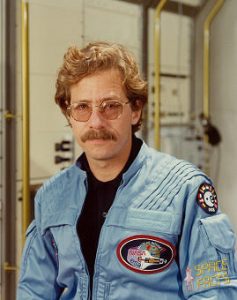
[(99, 199)]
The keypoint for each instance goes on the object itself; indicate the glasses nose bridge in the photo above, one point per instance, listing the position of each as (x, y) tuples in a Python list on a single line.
[(95, 110), (99, 107), (94, 107)]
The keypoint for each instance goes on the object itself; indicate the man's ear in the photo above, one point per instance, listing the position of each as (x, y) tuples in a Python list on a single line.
[(136, 112)]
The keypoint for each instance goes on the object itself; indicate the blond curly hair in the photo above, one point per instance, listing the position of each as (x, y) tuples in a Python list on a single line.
[(100, 56)]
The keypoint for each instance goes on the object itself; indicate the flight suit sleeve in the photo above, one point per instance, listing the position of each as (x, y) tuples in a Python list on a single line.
[(207, 257), (38, 271)]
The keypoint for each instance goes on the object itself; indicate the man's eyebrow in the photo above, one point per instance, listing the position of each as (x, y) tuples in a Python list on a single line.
[(102, 99), (111, 97)]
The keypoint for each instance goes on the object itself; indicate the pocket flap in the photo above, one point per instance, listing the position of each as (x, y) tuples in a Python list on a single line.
[(67, 217), (154, 220), (219, 232)]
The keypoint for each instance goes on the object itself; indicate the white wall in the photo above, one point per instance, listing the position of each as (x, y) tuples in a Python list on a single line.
[(223, 92)]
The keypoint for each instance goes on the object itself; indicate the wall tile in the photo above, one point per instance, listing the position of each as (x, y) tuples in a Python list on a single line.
[(52, 31)]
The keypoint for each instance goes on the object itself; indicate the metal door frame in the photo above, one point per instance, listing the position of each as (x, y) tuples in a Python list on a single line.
[(2, 132), (8, 139)]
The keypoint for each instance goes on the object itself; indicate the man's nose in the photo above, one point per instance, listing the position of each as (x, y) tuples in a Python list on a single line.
[(96, 119)]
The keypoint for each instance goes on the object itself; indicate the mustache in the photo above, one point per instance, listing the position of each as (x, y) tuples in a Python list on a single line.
[(103, 134)]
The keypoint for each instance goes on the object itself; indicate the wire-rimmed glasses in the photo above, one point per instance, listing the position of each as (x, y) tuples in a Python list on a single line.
[(109, 109)]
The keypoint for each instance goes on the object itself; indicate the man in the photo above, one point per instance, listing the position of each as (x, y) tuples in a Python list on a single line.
[(124, 222)]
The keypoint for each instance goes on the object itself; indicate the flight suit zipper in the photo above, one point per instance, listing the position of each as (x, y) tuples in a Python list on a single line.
[(95, 278)]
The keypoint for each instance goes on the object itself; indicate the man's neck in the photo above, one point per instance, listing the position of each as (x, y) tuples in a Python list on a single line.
[(106, 170)]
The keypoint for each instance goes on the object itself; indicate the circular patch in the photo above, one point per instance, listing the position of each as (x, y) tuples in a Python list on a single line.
[(207, 198), (145, 254)]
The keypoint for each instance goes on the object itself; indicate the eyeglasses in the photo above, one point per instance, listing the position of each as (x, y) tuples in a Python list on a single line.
[(110, 109)]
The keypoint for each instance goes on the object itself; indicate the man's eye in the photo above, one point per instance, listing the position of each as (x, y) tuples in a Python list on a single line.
[(81, 107), (111, 105)]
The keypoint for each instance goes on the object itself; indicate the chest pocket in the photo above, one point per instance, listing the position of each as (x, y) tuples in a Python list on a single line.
[(156, 221), (143, 245)]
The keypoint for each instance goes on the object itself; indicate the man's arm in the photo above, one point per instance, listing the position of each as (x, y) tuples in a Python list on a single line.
[(207, 259), (38, 268)]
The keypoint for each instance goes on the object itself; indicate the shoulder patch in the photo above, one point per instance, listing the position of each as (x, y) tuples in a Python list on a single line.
[(207, 198), (145, 254)]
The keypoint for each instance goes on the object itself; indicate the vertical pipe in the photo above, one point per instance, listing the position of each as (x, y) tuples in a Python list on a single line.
[(206, 56), (157, 40), (25, 120), (144, 46), (8, 243)]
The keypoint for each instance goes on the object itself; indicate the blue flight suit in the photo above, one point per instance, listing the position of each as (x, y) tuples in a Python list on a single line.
[(164, 237)]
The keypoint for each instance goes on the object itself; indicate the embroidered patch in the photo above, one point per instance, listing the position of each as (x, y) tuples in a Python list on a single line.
[(208, 274), (207, 198), (145, 254)]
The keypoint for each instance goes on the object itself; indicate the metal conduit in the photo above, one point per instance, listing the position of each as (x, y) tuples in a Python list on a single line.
[(25, 121), (206, 56), (157, 39)]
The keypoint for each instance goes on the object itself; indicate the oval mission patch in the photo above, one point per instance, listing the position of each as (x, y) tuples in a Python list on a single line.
[(145, 254)]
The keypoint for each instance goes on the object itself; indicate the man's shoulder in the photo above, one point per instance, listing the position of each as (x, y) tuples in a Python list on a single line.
[(171, 166), (157, 158), (59, 184), (56, 201), (57, 180)]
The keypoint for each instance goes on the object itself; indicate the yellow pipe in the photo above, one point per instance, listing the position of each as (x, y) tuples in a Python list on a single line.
[(206, 51), (25, 121), (157, 39)]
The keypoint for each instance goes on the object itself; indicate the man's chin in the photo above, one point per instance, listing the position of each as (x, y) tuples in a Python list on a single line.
[(98, 141), (99, 157)]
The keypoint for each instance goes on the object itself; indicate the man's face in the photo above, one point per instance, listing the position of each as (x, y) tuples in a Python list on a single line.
[(94, 89)]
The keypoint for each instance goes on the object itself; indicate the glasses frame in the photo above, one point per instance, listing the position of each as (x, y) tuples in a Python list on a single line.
[(98, 106)]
